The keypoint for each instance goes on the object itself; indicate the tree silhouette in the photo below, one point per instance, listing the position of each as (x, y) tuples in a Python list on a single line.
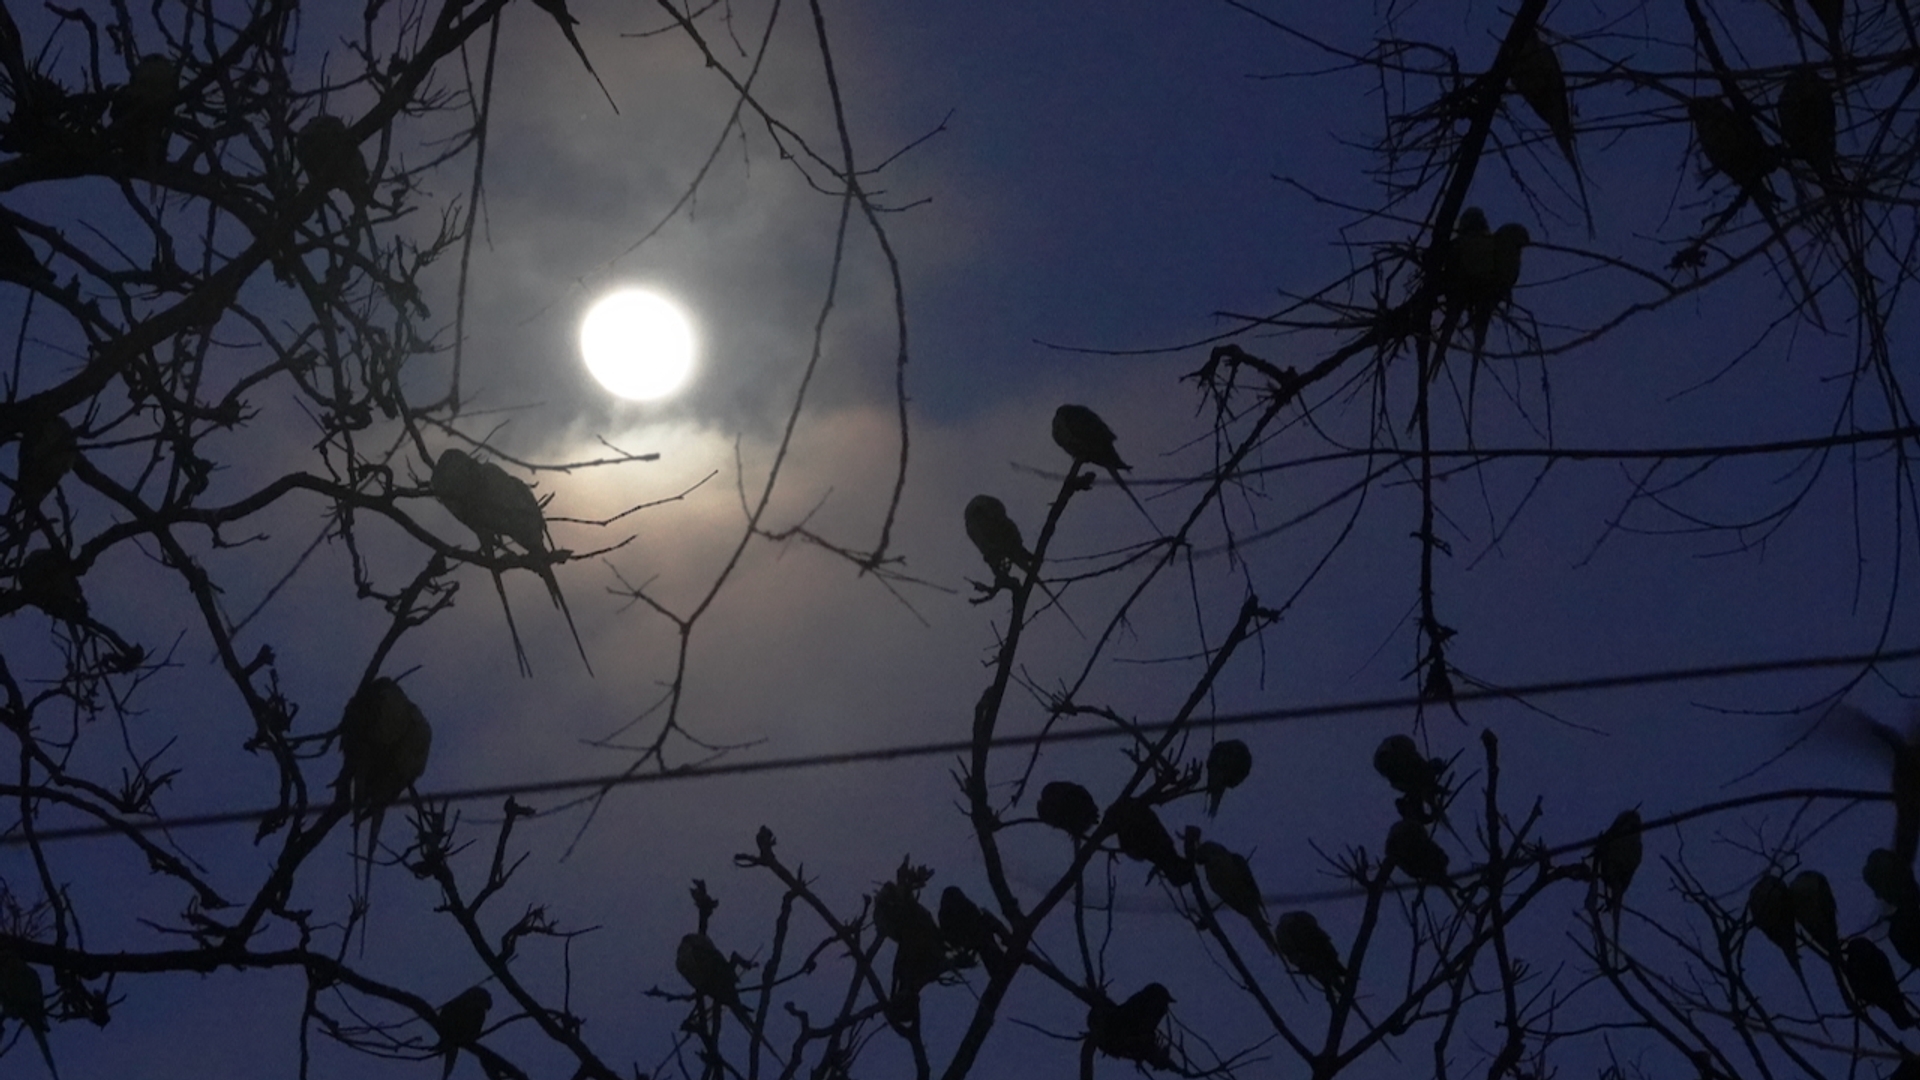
[(229, 314)]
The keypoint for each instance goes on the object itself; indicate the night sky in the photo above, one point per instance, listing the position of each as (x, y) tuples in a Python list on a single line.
[(1091, 196)]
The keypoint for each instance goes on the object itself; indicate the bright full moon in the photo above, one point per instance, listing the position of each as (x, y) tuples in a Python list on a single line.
[(638, 344)]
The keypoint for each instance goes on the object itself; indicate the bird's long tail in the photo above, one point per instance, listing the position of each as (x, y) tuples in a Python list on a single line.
[(1135, 500), (513, 631), (560, 601)]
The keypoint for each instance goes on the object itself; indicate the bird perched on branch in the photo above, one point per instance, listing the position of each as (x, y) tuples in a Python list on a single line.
[(1415, 776), (996, 537), (494, 504), (1068, 807), (1890, 879), (1807, 122), (1130, 1031), (24, 998), (1770, 906), (1543, 86), (1831, 14), (1814, 909), (970, 930), (331, 158), (1483, 270), (1231, 878), (47, 579), (1307, 949), (459, 1023), (1870, 974), (1906, 790), (1733, 146), (1229, 764), (558, 9), (47, 452), (142, 112), (1086, 438), (1143, 838), (18, 261), (1414, 851), (385, 741), (714, 977), (1616, 857)]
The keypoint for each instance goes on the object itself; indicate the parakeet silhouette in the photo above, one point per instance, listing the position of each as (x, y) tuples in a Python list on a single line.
[(1870, 974), (1814, 909), (1085, 437), (459, 1023), (1733, 146), (996, 536), (1231, 878), (558, 9), (1770, 906), (1307, 949), (331, 158), (143, 109), (1806, 113), (385, 741), (1068, 807), (23, 998), (494, 504), (1541, 83), (1418, 856), (1616, 857), (1130, 1031), (1229, 764), (1143, 838)]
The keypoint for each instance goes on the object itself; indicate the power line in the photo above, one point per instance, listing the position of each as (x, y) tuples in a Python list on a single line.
[(1710, 673)]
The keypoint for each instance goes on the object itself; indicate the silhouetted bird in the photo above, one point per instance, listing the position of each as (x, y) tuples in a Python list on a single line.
[(459, 1023), (1130, 1031), (1903, 932), (331, 158), (1229, 764), (1733, 146), (1815, 911), (142, 119), (1830, 13), (1770, 906), (1085, 437), (1484, 270), (1543, 86), (18, 261), (996, 536), (712, 976), (1890, 879), (1806, 113), (1231, 878), (1906, 791), (493, 503), (1616, 857), (48, 580), (23, 998), (1307, 949), (1417, 855), (1068, 807), (385, 741), (46, 454), (1870, 975), (1142, 837), (558, 9), (969, 929), (1416, 777)]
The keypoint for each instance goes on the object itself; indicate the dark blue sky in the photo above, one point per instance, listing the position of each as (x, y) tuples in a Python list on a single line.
[(1110, 177)]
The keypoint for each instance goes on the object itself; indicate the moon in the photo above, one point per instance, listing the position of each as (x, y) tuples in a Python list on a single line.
[(638, 344)]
